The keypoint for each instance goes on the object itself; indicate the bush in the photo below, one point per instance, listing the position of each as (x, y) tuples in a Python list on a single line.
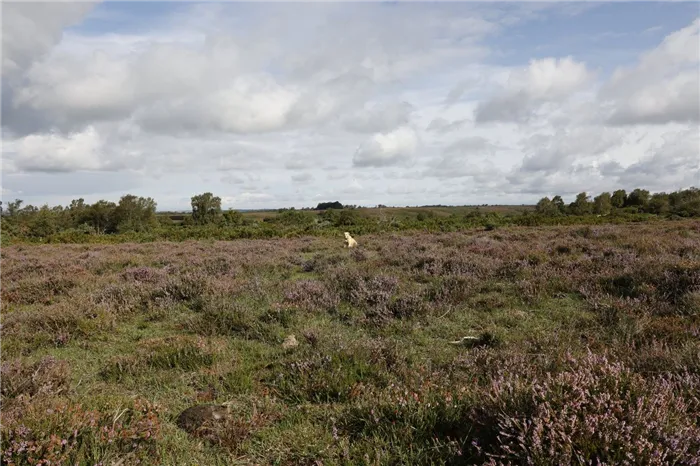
[(67, 433), (311, 295), (48, 376), (563, 418)]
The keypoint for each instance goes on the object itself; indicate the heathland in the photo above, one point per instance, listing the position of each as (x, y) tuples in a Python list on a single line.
[(584, 346)]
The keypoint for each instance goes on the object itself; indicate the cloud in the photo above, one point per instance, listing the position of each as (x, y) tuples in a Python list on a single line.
[(245, 198), (470, 145), (353, 188), (186, 87), (298, 162), (338, 176), (30, 30), (545, 80), (663, 87), (442, 126), (456, 93), (386, 149), (554, 152), (465, 157), (379, 117), (673, 163), (68, 89), (232, 179), (302, 177), (56, 153), (61, 187)]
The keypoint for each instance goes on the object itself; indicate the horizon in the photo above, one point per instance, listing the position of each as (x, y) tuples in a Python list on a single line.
[(272, 106), (567, 200)]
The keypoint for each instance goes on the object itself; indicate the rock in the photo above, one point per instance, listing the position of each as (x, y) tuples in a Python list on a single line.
[(290, 342), (194, 418)]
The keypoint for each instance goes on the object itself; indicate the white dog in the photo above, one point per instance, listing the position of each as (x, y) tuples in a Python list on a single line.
[(350, 241)]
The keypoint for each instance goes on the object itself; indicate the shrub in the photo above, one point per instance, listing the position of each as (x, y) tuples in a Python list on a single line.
[(39, 290), (48, 376), (311, 295), (143, 274), (67, 433), (563, 418)]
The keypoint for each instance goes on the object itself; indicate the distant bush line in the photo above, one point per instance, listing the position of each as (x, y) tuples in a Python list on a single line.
[(134, 219)]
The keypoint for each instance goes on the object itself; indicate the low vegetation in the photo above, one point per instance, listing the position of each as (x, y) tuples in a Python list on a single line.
[(134, 219), (585, 348)]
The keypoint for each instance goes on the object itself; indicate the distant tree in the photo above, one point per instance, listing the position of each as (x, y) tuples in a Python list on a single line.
[(295, 217), (558, 202), (43, 223), (14, 207), (619, 199), (206, 208), (602, 204), (543, 205), (28, 210), (582, 205), (347, 217), (686, 202), (329, 205), (100, 216), (164, 220), (659, 204), (77, 211), (638, 198), (425, 215), (233, 217), (546, 207), (135, 214)]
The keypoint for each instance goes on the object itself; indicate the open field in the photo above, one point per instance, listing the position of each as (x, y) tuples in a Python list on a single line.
[(400, 213), (412, 212), (587, 346)]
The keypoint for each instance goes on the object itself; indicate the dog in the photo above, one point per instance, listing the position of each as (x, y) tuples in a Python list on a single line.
[(350, 241)]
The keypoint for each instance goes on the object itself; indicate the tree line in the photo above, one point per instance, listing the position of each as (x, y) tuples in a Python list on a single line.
[(134, 216), (683, 203)]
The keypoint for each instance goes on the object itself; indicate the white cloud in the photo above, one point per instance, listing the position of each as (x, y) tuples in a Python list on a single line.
[(545, 80), (664, 86), (245, 198), (302, 177), (379, 117), (385, 149), (30, 30), (674, 164), (463, 157), (441, 125), (298, 162), (56, 153), (554, 152)]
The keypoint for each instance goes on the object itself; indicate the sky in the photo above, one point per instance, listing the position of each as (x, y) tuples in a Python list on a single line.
[(272, 105)]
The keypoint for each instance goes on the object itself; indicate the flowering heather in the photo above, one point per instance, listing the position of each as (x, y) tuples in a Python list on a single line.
[(311, 295), (597, 411), (46, 376), (583, 347), (65, 433)]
